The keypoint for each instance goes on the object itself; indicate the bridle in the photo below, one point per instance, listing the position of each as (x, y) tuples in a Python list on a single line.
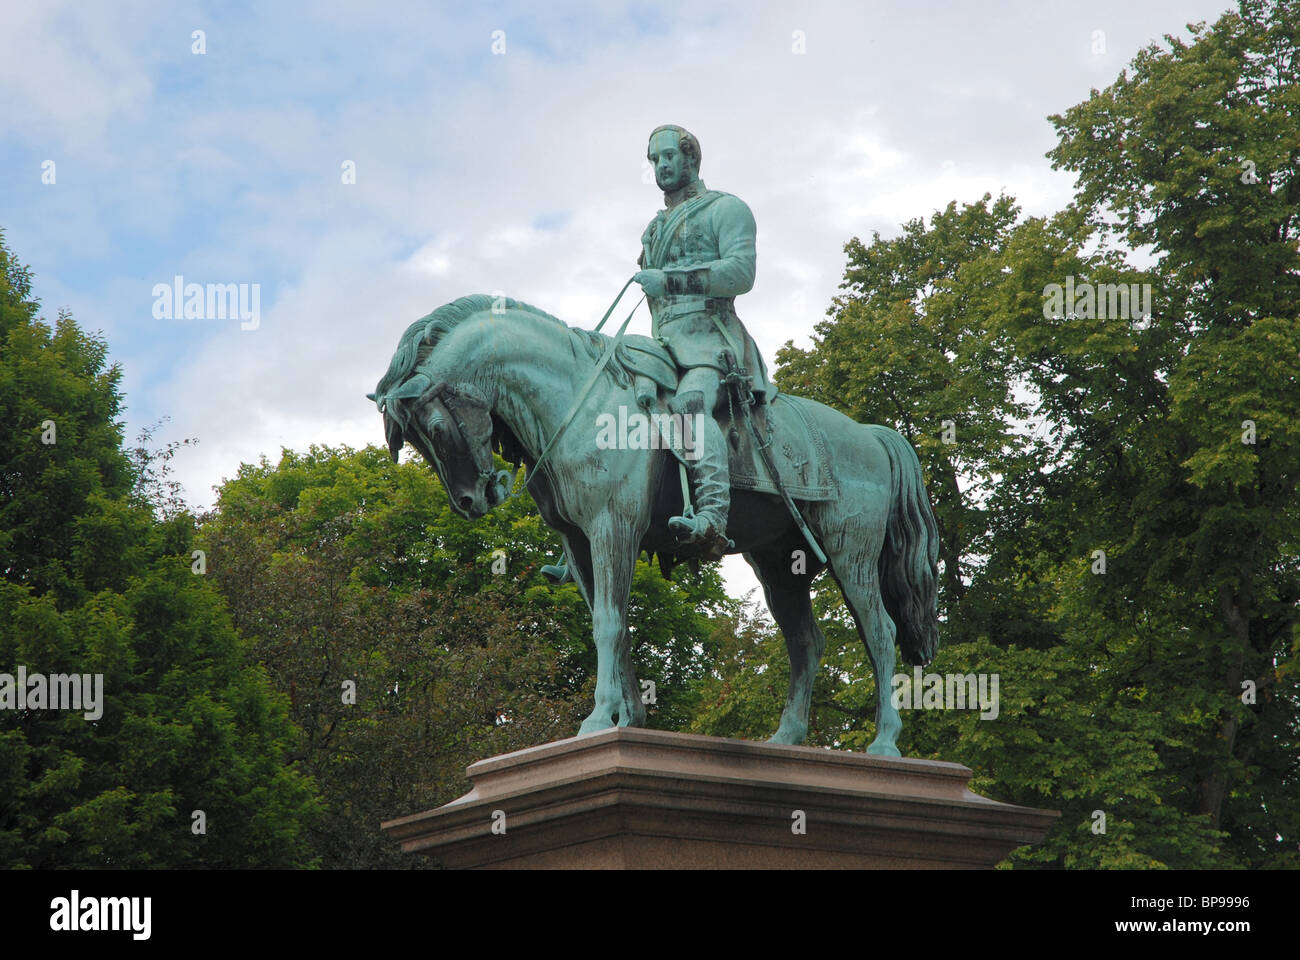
[(480, 453), (455, 402)]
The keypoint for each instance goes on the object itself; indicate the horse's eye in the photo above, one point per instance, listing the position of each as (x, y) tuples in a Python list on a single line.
[(438, 434)]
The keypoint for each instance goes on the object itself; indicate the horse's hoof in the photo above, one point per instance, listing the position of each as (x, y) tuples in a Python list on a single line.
[(593, 726), (883, 750), (787, 736)]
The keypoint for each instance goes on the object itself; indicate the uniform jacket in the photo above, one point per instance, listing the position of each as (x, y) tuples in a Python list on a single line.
[(704, 244)]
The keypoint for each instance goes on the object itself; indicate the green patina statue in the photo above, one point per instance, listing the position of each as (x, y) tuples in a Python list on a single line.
[(795, 486)]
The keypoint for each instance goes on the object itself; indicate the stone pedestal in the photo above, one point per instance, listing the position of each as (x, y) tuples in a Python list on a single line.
[(631, 798)]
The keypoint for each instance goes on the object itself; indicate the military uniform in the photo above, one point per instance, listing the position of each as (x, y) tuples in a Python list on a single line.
[(704, 244)]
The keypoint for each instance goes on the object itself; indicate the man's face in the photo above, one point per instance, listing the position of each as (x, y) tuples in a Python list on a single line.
[(672, 167)]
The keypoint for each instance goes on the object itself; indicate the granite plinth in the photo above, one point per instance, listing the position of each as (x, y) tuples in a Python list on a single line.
[(632, 798)]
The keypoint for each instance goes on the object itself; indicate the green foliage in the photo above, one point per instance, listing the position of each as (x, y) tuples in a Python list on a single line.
[(343, 566), (92, 584), (1196, 155), (52, 492)]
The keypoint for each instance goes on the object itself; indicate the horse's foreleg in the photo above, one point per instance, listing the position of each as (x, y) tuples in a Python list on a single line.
[(633, 712), (613, 559)]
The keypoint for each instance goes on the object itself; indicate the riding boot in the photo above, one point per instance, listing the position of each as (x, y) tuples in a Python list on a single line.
[(706, 459)]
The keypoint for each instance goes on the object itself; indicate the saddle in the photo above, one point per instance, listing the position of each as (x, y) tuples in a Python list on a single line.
[(796, 443)]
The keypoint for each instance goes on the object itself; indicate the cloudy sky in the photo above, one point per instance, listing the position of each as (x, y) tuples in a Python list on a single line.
[(495, 147)]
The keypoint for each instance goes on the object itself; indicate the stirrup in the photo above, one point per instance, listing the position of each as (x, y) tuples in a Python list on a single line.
[(691, 529), (557, 573), (687, 526)]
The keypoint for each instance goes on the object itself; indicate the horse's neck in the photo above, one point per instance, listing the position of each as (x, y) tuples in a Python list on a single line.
[(534, 371)]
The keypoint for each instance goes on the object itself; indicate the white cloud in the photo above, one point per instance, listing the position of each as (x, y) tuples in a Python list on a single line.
[(228, 167)]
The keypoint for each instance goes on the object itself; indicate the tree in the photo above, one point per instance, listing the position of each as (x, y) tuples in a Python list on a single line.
[(60, 459), (181, 762), (1198, 156)]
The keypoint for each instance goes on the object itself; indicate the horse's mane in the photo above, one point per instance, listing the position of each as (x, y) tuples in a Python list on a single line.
[(422, 336)]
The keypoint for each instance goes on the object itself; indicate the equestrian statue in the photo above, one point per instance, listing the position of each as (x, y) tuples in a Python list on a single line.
[(678, 445)]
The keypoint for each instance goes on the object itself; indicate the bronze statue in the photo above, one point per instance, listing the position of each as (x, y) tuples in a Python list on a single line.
[(809, 489)]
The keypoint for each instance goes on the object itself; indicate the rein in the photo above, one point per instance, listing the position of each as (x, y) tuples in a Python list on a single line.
[(591, 380)]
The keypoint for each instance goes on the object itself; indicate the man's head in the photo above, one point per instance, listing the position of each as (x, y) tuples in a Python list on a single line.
[(674, 153)]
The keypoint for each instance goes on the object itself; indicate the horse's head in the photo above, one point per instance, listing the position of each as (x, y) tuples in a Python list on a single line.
[(451, 426)]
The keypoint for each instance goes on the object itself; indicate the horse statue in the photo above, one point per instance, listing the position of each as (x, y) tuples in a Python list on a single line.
[(485, 374)]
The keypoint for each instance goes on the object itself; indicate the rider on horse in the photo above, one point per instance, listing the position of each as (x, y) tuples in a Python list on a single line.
[(697, 256)]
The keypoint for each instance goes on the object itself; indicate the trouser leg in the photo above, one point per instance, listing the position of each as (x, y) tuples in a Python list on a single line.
[(706, 459)]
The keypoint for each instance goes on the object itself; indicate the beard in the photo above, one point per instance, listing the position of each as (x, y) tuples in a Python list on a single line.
[(683, 180)]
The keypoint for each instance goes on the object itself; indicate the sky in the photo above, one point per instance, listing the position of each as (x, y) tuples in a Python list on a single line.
[(362, 165)]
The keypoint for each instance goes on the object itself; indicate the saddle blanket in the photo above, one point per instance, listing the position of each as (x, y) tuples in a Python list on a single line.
[(796, 444)]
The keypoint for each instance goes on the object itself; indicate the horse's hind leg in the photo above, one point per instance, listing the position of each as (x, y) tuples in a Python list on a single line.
[(854, 558), (861, 588), (791, 607)]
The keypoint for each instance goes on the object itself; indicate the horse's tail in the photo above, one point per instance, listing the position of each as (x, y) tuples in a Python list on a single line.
[(909, 573)]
